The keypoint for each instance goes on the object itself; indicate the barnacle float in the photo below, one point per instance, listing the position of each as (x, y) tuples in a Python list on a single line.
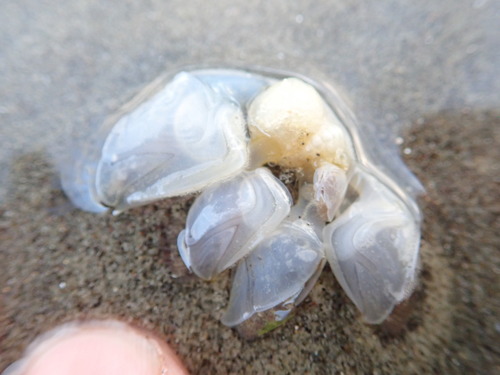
[(223, 132)]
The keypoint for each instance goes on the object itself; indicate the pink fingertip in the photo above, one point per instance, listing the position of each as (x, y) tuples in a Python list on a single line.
[(98, 348)]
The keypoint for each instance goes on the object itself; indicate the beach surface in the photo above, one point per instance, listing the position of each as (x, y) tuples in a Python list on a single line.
[(423, 78)]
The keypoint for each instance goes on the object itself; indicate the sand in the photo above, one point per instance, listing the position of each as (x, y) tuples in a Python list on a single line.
[(59, 264)]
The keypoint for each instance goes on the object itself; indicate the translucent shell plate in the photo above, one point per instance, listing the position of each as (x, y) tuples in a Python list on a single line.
[(228, 220), (276, 272), (183, 138), (372, 248)]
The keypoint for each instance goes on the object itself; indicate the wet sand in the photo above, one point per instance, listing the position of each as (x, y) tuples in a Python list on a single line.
[(431, 67), (61, 264)]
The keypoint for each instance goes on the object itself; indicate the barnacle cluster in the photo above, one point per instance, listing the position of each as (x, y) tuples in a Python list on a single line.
[(221, 132)]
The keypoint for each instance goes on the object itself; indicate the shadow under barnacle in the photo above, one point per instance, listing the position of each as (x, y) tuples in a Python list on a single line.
[(59, 264)]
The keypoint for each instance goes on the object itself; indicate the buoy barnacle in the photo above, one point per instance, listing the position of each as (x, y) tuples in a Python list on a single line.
[(218, 131)]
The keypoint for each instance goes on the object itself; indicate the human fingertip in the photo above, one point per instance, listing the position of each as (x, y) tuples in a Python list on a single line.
[(107, 347)]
